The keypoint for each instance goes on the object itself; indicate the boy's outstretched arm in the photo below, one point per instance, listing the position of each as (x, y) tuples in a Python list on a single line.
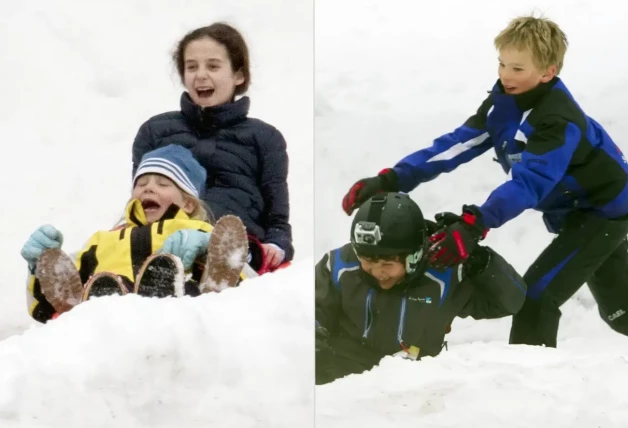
[(446, 154), (497, 289), (543, 165)]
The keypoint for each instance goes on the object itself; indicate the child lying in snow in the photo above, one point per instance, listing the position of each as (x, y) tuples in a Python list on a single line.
[(166, 231), (379, 296)]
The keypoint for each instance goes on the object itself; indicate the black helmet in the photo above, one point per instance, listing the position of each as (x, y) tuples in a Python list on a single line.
[(390, 224)]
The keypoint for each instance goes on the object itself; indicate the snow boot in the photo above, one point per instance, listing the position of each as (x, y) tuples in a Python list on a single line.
[(60, 281), (104, 284), (226, 255), (161, 275)]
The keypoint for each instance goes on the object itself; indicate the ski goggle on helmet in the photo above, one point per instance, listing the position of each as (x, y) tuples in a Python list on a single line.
[(390, 224)]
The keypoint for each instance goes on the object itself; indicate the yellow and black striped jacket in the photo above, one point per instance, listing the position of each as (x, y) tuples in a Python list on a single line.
[(121, 251)]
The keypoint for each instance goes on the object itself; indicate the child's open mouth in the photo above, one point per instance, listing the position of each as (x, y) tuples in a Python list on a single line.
[(150, 206), (204, 93)]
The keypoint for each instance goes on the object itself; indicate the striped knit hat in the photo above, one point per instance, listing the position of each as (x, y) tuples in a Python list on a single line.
[(178, 164)]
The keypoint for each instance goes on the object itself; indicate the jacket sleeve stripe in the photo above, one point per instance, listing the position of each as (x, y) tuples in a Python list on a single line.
[(446, 153), (459, 148)]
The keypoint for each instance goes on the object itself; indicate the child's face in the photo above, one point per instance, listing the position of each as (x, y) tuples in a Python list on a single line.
[(208, 76), (157, 193), (518, 73), (387, 272)]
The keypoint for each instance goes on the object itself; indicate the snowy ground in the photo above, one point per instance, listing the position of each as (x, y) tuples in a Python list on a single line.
[(392, 76), (188, 362), (78, 79)]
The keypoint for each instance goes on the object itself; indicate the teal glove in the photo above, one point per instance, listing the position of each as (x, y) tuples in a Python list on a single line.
[(187, 244), (42, 239)]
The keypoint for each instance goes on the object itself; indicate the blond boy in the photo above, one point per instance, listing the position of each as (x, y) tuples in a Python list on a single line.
[(559, 161)]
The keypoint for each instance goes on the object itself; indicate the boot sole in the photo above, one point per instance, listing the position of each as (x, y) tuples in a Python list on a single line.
[(161, 275), (226, 255), (104, 284), (60, 281)]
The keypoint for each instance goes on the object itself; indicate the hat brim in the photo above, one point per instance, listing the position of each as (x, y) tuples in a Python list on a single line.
[(148, 169)]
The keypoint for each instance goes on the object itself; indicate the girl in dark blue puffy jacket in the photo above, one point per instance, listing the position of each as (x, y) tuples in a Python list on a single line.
[(245, 158)]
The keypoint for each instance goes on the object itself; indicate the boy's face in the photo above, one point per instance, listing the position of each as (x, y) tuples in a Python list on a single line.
[(387, 272), (519, 74), (157, 193)]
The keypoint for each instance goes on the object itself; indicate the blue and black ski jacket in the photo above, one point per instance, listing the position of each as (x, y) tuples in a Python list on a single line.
[(558, 159)]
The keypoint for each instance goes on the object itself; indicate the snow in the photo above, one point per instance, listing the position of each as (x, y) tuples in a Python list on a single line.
[(190, 362), (391, 77), (485, 385), (79, 78)]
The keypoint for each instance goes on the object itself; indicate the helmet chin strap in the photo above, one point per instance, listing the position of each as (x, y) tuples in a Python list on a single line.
[(415, 262)]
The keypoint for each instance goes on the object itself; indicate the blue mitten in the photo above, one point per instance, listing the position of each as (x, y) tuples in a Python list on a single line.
[(43, 238), (187, 244)]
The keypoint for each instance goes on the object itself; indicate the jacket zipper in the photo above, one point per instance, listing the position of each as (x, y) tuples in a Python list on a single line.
[(402, 321), (368, 313)]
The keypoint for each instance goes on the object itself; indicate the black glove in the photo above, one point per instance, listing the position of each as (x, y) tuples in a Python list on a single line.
[(363, 190), (458, 237), (446, 219), (321, 337)]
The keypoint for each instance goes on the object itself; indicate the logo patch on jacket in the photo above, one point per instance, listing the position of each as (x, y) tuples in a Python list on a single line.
[(427, 300)]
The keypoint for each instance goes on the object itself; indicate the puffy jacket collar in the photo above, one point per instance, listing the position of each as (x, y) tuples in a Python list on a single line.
[(212, 118), (528, 99), (135, 215)]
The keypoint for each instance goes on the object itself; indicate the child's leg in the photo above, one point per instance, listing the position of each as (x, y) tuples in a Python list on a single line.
[(609, 286), (582, 246), (60, 281), (226, 255)]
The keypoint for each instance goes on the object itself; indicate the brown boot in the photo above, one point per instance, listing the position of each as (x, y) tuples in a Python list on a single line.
[(161, 275), (60, 281), (103, 284), (226, 255)]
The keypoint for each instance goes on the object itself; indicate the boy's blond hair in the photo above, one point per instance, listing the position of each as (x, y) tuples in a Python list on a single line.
[(541, 37)]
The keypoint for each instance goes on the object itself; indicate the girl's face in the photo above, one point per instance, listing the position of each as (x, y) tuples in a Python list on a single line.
[(208, 76), (157, 193)]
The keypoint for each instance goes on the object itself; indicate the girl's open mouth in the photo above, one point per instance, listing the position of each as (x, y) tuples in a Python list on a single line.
[(150, 205), (205, 93)]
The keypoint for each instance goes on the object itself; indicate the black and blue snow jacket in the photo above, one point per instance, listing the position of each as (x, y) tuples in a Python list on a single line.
[(370, 323), (558, 159), (245, 159)]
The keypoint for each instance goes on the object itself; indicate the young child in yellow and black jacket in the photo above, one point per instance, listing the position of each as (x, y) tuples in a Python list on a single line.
[(166, 230)]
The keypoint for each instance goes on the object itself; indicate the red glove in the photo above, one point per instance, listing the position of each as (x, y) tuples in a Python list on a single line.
[(363, 190), (456, 241)]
